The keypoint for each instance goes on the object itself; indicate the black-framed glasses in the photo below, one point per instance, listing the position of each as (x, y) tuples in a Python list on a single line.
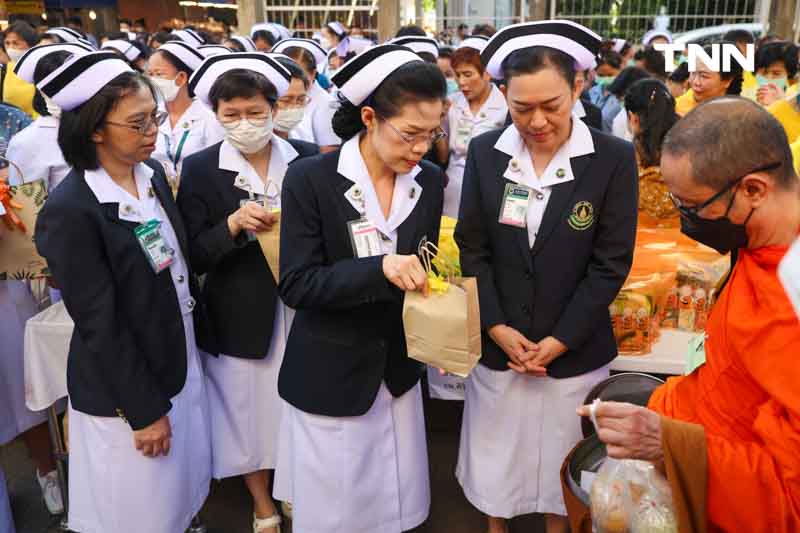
[(693, 210), (415, 140), (143, 126)]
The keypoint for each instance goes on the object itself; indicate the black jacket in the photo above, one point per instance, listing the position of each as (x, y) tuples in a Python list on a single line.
[(564, 285), (127, 356), (593, 117), (347, 336), (239, 291)]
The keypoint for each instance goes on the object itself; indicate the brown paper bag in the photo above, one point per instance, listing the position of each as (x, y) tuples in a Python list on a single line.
[(18, 256), (270, 242), (443, 330)]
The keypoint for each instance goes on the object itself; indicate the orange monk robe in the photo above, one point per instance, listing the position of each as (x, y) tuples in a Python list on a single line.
[(747, 397)]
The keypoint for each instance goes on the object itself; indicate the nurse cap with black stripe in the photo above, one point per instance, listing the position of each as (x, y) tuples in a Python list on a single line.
[(209, 50), (476, 42), (360, 76), (68, 35), (190, 37), (315, 49), (577, 41), (190, 56), (126, 48), (246, 42), (81, 77), (215, 66), (418, 44), (26, 66)]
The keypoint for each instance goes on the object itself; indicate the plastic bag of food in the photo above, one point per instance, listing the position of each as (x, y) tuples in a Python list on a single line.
[(631, 497)]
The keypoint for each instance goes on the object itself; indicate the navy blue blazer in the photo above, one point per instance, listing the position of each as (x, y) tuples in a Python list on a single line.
[(239, 292), (563, 286), (347, 336), (127, 356)]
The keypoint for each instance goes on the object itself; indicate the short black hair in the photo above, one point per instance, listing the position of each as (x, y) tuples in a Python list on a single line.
[(125, 21), (241, 83), (173, 60), (266, 36), (427, 57), (412, 30), (294, 69), (234, 45), (627, 77), (533, 59), (116, 36), (654, 62), (651, 101), (25, 31), (46, 65), (610, 58), (739, 36), (302, 56), (78, 125), (487, 30), (735, 74), (759, 140), (680, 74), (412, 82), (446, 52), (162, 37), (77, 21), (784, 52)]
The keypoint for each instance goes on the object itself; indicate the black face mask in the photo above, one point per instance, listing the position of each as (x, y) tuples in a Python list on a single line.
[(718, 233)]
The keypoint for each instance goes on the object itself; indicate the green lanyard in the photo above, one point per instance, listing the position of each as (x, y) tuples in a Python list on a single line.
[(177, 157)]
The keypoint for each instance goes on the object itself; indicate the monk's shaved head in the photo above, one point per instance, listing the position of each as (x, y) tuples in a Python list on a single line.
[(729, 137)]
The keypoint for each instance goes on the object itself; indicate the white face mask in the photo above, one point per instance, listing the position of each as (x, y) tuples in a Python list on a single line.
[(52, 108), (326, 43), (168, 88), (14, 54), (249, 138), (288, 119)]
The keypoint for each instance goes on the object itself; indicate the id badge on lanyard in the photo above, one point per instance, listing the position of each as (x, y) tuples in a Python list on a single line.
[(256, 199), (463, 134), (365, 238), (176, 157), (158, 253), (514, 207)]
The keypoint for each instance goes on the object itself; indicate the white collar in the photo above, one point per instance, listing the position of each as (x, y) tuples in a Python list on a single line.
[(107, 191), (247, 178), (195, 112), (495, 102), (578, 110), (362, 194), (47, 121), (559, 170)]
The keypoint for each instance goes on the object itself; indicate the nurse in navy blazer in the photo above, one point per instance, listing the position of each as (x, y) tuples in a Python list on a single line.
[(547, 224), (139, 457), (352, 453), (227, 192)]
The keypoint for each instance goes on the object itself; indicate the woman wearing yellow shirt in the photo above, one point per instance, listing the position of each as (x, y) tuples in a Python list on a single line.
[(19, 37), (705, 84)]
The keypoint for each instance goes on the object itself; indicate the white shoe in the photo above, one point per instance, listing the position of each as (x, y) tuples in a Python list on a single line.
[(51, 492), (260, 525)]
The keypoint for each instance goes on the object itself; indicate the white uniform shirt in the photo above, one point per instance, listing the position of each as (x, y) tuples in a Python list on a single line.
[(248, 179), (620, 126), (35, 150), (463, 126), (404, 198), (196, 130), (521, 170), (316, 126)]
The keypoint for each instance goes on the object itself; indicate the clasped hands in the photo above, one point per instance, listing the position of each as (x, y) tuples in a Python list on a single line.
[(526, 356)]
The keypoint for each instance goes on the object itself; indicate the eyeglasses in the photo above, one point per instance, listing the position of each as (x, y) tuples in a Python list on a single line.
[(298, 101), (233, 120), (143, 126), (416, 140), (693, 210)]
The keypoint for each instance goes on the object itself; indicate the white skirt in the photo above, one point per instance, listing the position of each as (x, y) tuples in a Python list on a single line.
[(17, 305), (6, 520), (516, 432), (245, 407), (114, 488), (365, 474)]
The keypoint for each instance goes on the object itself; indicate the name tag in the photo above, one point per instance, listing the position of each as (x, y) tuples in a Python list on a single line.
[(365, 238), (159, 255), (789, 274), (463, 134), (697, 353), (514, 211)]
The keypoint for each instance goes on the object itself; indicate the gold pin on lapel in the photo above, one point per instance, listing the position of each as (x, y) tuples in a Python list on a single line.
[(514, 165), (412, 193), (560, 173), (150, 192)]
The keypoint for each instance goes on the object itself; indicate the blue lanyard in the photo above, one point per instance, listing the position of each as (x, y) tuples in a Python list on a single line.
[(175, 159)]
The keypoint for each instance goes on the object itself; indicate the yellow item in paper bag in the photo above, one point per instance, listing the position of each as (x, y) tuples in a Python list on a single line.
[(270, 242)]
